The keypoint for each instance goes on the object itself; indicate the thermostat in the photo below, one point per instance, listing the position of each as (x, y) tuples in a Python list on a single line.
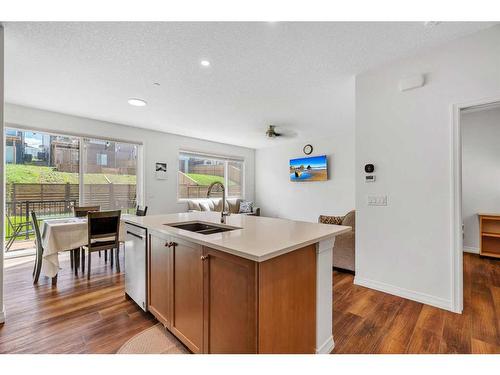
[(369, 168), (370, 178)]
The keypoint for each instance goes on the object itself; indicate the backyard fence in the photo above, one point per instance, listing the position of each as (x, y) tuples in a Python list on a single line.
[(108, 196), (189, 188), (218, 170), (53, 200)]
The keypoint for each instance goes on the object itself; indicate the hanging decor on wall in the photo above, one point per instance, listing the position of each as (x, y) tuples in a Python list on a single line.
[(308, 149), (313, 168), (161, 171)]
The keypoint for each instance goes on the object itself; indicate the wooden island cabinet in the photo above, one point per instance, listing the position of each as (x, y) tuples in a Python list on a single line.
[(209, 299), (160, 280), (250, 284)]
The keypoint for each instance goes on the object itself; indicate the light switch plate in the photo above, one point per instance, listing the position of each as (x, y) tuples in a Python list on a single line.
[(377, 200)]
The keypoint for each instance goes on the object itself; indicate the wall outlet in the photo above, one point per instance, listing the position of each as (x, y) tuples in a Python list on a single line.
[(377, 200)]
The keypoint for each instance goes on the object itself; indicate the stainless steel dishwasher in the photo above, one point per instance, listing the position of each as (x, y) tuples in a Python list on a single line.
[(135, 264)]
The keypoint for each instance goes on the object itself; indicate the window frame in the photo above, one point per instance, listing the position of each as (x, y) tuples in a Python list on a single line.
[(140, 180), (216, 157)]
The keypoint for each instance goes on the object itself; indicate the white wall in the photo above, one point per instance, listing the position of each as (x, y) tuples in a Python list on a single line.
[(279, 197), (2, 202), (160, 195), (406, 248), (480, 170)]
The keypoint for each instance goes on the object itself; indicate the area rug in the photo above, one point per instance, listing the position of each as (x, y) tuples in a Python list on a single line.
[(154, 340)]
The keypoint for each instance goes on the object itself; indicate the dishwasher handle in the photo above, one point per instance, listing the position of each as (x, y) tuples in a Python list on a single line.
[(136, 235)]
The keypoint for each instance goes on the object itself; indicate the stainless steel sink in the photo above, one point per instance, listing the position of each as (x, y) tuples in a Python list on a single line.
[(201, 227)]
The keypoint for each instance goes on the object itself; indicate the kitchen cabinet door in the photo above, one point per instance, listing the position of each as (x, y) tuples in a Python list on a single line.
[(187, 317), (160, 279), (230, 284)]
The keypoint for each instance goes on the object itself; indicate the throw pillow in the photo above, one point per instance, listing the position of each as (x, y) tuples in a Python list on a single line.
[(246, 207), (335, 220), (204, 206)]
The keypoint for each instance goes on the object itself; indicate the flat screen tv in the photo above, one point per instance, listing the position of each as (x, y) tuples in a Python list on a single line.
[(313, 168)]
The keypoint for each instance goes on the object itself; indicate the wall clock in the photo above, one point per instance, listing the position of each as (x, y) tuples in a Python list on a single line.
[(308, 149)]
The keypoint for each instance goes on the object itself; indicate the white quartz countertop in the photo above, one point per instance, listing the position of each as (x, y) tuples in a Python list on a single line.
[(258, 239)]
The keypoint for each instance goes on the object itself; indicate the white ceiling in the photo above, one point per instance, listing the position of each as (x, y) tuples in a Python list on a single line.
[(298, 76)]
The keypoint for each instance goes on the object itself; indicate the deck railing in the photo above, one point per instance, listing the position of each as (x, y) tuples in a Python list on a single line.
[(18, 220)]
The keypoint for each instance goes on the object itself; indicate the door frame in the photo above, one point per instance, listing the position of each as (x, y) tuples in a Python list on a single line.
[(457, 297)]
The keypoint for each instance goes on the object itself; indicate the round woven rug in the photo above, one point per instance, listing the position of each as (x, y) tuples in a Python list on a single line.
[(154, 340)]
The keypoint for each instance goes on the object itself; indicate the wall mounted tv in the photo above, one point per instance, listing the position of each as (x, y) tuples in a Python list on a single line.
[(313, 168)]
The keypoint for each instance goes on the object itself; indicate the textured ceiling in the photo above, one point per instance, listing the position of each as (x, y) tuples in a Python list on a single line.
[(298, 76)]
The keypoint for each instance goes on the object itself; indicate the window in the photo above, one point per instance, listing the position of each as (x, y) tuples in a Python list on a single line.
[(102, 160), (198, 171)]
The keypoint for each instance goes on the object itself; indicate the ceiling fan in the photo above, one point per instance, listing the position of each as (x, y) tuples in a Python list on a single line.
[(271, 132)]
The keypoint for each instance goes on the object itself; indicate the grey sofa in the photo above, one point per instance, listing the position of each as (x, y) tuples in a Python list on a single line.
[(215, 204), (344, 247)]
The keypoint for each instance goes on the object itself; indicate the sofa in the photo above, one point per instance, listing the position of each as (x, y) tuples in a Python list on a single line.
[(215, 204), (344, 247)]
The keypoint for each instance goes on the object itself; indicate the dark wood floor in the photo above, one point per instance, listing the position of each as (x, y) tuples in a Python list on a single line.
[(76, 316), (80, 316), (367, 321)]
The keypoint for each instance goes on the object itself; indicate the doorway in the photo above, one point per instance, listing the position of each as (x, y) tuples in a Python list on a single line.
[(475, 127)]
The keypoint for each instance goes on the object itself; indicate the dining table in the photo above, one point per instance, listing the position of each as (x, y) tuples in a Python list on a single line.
[(65, 234)]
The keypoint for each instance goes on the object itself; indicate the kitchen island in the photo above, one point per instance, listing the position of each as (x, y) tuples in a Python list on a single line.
[(250, 285)]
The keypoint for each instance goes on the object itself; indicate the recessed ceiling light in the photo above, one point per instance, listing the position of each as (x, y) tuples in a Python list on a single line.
[(156, 83), (205, 63), (137, 102)]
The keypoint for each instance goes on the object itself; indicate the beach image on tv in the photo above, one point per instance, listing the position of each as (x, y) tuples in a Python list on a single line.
[(309, 169)]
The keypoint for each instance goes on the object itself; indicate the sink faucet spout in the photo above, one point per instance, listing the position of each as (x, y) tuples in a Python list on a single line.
[(219, 187)]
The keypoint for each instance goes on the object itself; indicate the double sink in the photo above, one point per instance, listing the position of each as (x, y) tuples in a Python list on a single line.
[(201, 227)]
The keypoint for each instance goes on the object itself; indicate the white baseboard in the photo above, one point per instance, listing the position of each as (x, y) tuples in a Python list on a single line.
[(473, 250), (326, 347), (405, 293)]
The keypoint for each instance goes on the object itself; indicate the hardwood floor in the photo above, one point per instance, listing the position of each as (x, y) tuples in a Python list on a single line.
[(76, 316), (367, 321), (80, 316)]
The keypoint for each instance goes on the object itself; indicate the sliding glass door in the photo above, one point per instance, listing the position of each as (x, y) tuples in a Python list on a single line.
[(49, 174), (109, 174), (42, 176)]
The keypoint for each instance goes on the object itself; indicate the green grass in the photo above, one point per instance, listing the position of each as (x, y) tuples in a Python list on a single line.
[(31, 174), (205, 179)]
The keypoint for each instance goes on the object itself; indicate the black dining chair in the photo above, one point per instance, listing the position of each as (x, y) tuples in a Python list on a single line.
[(103, 234), (82, 211), (139, 212), (39, 250)]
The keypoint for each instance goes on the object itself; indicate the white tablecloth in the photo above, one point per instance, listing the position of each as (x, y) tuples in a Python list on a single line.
[(63, 235)]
